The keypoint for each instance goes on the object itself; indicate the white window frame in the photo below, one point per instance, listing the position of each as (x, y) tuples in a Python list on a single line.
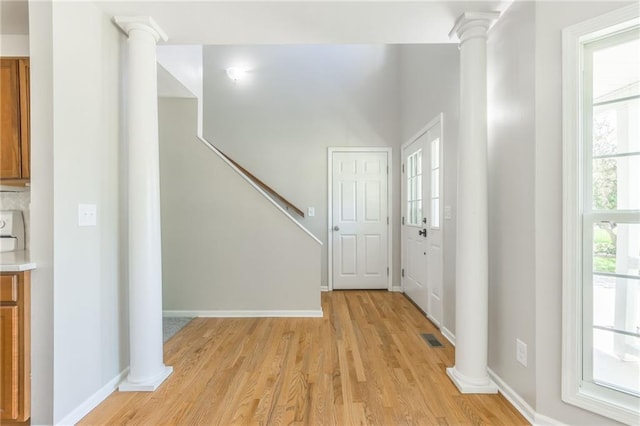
[(438, 157), (575, 390), (412, 173)]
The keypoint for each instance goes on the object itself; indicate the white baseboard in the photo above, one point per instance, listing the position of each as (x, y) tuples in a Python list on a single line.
[(521, 405), (148, 385), (93, 401), (542, 420), (465, 385), (435, 322), (516, 400), (448, 335), (245, 314), (394, 288)]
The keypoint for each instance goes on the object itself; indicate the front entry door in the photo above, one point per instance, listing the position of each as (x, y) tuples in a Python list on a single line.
[(421, 220), (359, 219)]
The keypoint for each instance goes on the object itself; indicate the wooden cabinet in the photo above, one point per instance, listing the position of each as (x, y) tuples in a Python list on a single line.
[(14, 121), (15, 347)]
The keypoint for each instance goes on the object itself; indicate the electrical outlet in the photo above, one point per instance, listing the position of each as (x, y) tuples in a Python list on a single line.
[(87, 215), (311, 211), (521, 352)]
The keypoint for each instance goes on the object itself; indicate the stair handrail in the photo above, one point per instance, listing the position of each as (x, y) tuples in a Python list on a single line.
[(255, 186), (263, 185)]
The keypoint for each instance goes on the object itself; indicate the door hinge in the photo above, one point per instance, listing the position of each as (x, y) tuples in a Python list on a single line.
[(387, 169), (403, 168), (387, 271), (402, 272), (403, 220), (387, 220)]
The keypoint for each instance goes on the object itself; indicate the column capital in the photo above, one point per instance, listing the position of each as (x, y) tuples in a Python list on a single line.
[(144, 23), (473, 25)]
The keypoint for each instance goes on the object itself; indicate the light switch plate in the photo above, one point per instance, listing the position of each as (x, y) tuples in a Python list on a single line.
[(311, 211), (447, 212), (87, 214), (521, 352)]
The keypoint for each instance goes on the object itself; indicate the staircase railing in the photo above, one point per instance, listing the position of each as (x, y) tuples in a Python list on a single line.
[(272, 192), (166, 66)]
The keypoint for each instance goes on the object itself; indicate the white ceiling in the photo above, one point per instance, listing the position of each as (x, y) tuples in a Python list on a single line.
[(303, 22), (202, 22), (283, 22)]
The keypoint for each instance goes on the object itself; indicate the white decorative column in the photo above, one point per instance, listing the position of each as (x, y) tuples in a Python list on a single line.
[(147, 370), (470, 371)]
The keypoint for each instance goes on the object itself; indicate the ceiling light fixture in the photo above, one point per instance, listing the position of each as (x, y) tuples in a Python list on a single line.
[(236, 73)]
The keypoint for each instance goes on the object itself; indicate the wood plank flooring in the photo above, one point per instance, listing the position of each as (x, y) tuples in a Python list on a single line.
[(364, 363)]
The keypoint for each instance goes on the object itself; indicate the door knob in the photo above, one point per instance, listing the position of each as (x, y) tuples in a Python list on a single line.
[(336, 228), (423, 232)]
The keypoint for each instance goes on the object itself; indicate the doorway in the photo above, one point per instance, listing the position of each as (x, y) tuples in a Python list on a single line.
[(421, 224), (359, 217)]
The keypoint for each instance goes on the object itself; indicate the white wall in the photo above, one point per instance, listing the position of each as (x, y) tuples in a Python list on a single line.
[(511, 139), (225, 247), (79, 326), (297, 102), (14, 28), (184, 62), (88, 322), (168, 86), (16, 45), (41, 61), (429, 76), (551, 18), (525, 193)]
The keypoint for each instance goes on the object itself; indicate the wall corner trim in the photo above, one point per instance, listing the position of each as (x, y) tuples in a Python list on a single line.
[(93, 401)]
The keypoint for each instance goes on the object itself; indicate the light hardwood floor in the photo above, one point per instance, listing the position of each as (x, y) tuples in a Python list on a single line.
[(363, 363)]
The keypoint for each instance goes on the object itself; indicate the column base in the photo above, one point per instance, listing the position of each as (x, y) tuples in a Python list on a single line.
[(148, 386), (467, 385)]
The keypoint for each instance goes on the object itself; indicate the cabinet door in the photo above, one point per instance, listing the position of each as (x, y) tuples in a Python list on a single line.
[(25, 117), (10, 155), (8, 362)]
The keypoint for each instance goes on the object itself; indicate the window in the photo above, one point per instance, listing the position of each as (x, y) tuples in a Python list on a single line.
[(435, 183), (414, 189), (601, 275)]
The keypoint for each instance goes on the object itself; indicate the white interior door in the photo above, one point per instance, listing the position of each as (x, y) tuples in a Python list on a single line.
[(359, 220), (422, 254)]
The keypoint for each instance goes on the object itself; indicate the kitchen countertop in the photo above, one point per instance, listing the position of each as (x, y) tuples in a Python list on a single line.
[(16, 261)]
